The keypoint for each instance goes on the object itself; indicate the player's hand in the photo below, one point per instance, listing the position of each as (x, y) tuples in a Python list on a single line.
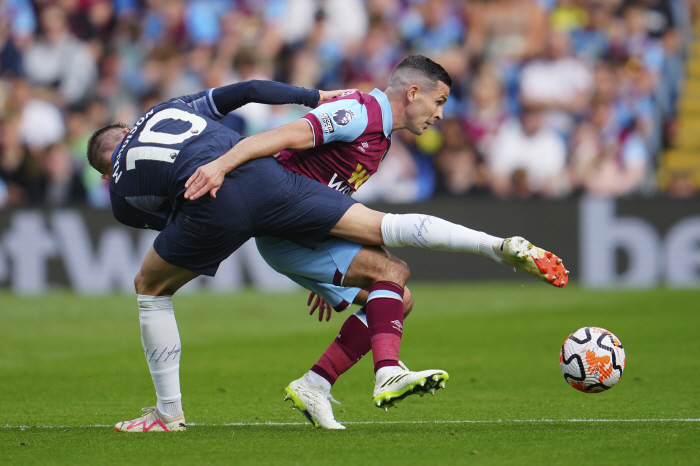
[(322, 305), (207, 179), (325, 96)]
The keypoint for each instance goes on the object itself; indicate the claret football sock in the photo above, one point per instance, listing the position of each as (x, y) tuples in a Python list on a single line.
[(428, 232), (351, 344), (385, 322), (161, 346)]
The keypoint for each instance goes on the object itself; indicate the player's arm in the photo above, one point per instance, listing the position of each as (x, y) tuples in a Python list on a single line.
[(219, 101), (297, 135), (340, 120)]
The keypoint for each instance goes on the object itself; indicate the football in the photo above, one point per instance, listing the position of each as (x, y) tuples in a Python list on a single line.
[(592, 359)]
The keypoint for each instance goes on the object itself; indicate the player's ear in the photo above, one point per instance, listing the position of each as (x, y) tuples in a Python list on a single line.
[(412, 93)]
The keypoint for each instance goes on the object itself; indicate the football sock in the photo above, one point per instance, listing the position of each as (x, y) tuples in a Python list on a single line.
[(385, 322), (317, 380), (161, 346), (352, 342), (428, 232)]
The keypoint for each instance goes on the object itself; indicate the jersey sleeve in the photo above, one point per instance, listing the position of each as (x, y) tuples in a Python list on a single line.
[(340, 120), (129, 214), (219, 101)]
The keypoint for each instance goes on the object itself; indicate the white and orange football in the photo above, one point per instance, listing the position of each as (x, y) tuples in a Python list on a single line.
[(592, 359)]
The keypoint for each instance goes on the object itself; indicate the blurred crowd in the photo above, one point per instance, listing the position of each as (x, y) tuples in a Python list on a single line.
[(552, 98)]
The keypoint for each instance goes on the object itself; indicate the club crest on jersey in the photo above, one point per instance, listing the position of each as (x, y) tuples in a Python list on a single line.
[(363, 146), (343, 116), (327, 124)]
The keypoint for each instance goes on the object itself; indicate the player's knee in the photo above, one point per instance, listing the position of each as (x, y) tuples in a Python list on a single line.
[(403, 273), (146, 287), (138, 283), (407, 302), (394, 270)]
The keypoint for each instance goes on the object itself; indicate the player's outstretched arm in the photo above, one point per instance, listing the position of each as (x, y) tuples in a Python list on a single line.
[(217, 102), (208, 178)]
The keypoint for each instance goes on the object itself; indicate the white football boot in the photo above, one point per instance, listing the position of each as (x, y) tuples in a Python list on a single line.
[(313, 402), (395, 385), (153, 421), (521, 254)]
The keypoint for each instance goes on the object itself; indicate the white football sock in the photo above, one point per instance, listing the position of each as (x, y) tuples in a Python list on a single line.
[(161, 345), (428, 232), (317, 381)]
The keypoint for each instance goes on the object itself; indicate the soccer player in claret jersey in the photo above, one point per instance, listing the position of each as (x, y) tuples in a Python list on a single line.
[(147, 167), (341, 144)]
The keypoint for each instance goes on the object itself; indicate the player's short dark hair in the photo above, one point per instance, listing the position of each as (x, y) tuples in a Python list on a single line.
[(99, 142), (423, 66)]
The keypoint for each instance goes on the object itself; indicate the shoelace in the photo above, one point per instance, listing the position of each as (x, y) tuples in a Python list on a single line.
[(330, 397), (148, 411)]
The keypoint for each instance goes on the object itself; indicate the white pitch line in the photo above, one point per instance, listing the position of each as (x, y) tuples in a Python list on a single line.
[(272, 423)]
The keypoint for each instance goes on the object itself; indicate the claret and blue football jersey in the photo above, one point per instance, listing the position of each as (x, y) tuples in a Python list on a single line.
[(352, 134)]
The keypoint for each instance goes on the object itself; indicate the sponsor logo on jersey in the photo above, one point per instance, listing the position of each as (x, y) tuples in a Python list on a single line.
[(343, 116), (363, 146), (359, 176), (327, 124), (340, 185)]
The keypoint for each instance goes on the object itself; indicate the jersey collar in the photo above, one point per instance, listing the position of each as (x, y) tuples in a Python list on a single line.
[(387, 118), (114, 154)]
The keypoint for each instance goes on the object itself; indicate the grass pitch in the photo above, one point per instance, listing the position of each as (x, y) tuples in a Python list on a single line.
[(71, 367)]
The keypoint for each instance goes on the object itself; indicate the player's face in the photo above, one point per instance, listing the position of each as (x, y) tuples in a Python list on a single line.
[(426, 107)]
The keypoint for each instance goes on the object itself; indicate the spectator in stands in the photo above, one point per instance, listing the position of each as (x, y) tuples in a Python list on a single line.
[(59, 60), (507, 33), (485, 110), (558, 83), (12, 159), (607, 159), (62, 184), (456, 164), (527, 158)]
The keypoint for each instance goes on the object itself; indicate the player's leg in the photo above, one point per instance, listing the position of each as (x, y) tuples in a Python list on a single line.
[(155, 284), (315, 270), (311, 394), (349, 265), (195, 242), (384, 276), (366, 226), (350, 345)]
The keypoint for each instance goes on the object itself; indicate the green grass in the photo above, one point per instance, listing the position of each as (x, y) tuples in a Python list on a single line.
[(77, 363)]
